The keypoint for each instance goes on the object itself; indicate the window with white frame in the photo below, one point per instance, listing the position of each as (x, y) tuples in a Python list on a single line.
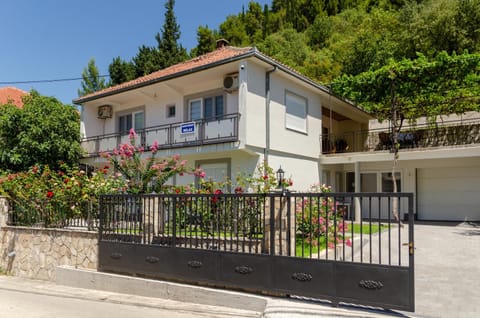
[(211, 107), (296, 112), (127, 121)]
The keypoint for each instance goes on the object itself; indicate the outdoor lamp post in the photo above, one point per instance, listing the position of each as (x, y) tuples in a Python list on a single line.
[(280, 178)]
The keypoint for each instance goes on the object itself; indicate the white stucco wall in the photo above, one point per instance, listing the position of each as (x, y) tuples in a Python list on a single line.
[(281, 138)]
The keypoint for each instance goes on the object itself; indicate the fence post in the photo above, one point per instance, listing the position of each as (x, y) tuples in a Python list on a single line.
[(272, 224), (3, 211)]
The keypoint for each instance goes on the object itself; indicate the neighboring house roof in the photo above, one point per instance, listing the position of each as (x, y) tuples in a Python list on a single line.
[(224, 54), (13, 95)]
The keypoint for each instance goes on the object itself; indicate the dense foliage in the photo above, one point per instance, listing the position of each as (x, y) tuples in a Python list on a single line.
[(329, 39), (43, 132), (420, 87)]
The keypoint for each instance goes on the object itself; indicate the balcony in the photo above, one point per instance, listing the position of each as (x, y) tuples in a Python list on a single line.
[(177, 135), (440, 134)]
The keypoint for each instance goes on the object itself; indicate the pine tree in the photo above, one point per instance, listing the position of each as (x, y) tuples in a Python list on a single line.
[(91, 79), (120, 71), (170, 51)]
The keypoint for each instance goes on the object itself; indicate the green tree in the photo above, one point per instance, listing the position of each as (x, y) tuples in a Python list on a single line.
[(171, 52), (44, 131), (288, 46), (206, 41), (120, 71), (147, 60), (233, 30), (254, 24), (410, 89), (92, 81)]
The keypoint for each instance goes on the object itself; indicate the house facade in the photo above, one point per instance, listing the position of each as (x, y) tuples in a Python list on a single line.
[(439, 162), (227, 112), (234, 108)]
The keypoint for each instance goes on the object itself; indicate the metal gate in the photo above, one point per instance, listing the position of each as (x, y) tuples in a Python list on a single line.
[(342, 247)]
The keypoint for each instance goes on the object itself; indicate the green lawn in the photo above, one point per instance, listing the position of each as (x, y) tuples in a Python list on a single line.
[(304, 249)]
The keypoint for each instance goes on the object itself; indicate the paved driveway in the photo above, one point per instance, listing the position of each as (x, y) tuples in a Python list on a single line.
[(447, 270)]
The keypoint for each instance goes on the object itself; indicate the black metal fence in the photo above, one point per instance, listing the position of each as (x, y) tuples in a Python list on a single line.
[(54, 214), (343, 247), (355, 227)]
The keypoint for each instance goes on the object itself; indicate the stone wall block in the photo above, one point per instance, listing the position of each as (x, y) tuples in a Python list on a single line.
[(37, 252)]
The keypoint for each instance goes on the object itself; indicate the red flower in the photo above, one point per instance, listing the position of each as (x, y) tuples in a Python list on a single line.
[(177, 190), (238, 190), (265, 177), (66, 180), (49, 194), (106, 167)]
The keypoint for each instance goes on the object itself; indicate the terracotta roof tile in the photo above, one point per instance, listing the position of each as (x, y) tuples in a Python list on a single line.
[(12, 94), (216, 56)]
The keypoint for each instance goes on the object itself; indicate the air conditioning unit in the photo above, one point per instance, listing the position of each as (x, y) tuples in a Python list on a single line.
[(104, 111), (230, 82)]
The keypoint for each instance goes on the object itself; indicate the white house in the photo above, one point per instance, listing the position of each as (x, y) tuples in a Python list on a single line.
[(229, 110), (225, 111)]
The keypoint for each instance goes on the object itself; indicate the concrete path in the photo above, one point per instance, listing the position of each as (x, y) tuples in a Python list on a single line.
[(447, 270)]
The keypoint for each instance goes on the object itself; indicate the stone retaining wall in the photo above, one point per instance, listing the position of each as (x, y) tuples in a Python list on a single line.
[(36, 252)]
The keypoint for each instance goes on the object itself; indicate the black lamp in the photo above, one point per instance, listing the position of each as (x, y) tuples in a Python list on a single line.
[(280, 177)]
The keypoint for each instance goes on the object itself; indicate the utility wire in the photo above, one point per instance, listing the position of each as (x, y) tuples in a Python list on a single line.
[(47, 80)]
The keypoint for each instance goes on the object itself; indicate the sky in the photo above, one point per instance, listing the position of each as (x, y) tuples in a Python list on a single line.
[(55, 39)]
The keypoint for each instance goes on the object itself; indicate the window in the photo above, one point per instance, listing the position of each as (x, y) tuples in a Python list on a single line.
[(296, 112), (368, 182), (135, 120), (171, 111), (211, 107), (195, 109), (387, 182)]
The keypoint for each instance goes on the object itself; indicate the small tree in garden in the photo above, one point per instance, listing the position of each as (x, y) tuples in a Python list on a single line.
[(150, 174), (320, 221)]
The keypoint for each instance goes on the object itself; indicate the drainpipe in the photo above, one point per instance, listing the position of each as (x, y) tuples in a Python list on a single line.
[(267, 114)]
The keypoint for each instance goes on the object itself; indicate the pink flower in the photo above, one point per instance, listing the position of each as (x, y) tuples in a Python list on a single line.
[(154, 147), (132, 134), (202, 174), (348, 242), (176, 157)]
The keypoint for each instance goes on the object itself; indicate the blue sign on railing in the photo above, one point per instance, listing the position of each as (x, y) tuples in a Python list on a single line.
[(187, 128)]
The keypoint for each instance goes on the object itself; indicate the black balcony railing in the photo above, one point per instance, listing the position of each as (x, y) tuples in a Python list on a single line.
[(176, 135), (444, 134)]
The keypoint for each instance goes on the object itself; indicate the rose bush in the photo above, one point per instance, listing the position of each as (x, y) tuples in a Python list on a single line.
[(319, 220)]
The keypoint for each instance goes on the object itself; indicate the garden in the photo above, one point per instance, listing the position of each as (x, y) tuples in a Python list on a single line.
[(227, 210)]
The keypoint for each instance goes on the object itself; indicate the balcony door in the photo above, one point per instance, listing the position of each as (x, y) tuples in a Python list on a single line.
[(210, 107), (127, 121)]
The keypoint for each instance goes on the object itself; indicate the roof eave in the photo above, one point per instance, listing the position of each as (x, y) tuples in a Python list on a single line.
[(80, 100)]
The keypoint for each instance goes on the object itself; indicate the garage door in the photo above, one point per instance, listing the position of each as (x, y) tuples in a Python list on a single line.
[(448, 194)]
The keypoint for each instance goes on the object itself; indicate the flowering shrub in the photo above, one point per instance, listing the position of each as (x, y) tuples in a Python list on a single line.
[(52, 196), (146, 175), (263, 180), (318, 219)]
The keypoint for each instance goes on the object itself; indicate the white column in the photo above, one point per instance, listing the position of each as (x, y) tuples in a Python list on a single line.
[(358, 209)]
